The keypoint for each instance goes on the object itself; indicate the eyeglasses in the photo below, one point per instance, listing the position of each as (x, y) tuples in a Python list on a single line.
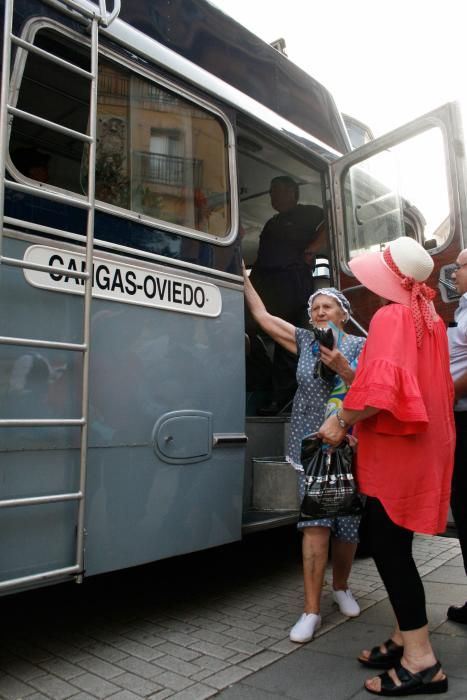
[(457, 267)]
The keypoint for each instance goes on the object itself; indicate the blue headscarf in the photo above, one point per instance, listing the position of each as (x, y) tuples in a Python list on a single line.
[(335, 294)]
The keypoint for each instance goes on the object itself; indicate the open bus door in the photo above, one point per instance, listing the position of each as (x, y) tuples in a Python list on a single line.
[(412, 181)]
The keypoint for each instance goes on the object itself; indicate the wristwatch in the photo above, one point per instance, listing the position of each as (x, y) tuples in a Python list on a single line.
[(343, 424)]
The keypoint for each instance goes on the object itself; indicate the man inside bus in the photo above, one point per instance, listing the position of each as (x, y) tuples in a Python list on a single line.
[(283, 279), (457, 336)]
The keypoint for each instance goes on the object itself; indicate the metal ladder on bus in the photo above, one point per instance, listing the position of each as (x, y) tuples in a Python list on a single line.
[(95, 17)]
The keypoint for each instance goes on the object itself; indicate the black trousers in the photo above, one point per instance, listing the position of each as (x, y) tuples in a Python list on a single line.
[(459, 483), (391, 548)]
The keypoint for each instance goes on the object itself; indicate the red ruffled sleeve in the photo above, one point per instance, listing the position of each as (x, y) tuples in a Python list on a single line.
[(386, 375)]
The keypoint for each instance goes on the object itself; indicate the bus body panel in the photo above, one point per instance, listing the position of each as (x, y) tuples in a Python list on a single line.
[(147, 364)]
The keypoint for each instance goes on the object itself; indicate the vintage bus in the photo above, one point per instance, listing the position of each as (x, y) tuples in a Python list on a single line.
[(137, 145)]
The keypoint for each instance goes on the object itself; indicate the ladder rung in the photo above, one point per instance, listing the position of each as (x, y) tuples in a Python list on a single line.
[(53, 126), (40, 500), (44, 229), (40, 422), (16, 262), (48, 194), (74, 7), (24, 580), (71, 5), (50, 344), (32, 48)]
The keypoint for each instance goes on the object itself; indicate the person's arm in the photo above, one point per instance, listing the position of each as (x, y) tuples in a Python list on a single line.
[(320, 244), (332, 432), (460, 387), (335, 360), (281, 331)]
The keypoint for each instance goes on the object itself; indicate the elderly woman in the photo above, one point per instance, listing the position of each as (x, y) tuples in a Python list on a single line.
[(401, 399), (308, 411)]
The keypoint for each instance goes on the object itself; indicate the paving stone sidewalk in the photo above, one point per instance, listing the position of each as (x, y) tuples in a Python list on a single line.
[(189, 628), (326, 668)]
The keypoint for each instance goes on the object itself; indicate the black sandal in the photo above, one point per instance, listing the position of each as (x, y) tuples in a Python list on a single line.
[(420, 683), (381, 659)]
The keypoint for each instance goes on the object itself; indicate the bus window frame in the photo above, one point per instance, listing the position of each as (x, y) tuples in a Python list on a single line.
[(28, 33), (447, 119)]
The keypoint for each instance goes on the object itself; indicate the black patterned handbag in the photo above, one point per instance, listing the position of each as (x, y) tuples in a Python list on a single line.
[(330, 488)]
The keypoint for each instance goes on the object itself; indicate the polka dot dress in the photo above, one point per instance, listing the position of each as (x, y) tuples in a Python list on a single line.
[(309, 406)]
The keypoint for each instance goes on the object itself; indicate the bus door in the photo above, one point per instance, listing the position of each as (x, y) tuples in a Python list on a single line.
[(270, 484), (409, 182)]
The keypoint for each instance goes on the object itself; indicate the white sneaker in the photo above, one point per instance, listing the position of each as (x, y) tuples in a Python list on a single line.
[(346, 602), (305, 627)]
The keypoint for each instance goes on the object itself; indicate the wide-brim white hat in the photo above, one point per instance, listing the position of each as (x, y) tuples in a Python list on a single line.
[(412, 260)]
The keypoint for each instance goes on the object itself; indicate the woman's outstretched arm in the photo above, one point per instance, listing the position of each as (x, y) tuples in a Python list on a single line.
[(281, 331)]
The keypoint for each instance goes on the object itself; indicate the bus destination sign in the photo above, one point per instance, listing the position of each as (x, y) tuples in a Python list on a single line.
[(129, 284)]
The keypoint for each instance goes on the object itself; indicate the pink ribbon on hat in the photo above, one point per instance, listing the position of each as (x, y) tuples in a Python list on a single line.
[(420, 297)]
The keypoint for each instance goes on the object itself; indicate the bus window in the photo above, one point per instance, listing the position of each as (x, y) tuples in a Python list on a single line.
[(399, 191), (47, 91), (158, 154), (359, 133)]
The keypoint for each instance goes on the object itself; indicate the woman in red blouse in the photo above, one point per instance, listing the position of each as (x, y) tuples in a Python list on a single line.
[(402, 399)]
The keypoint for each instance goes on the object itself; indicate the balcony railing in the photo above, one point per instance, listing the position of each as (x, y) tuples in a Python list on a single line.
[(159, 168)]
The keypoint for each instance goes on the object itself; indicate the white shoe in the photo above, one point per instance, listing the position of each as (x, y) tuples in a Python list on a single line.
[(305, 627), (347, 603)]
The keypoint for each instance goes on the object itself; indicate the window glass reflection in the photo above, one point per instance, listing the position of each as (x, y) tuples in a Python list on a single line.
[(400, 191)]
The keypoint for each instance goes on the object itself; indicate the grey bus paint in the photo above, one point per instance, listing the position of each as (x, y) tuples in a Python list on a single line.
[(142, 503)]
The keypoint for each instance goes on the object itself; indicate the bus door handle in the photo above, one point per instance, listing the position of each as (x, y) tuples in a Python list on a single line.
[(229, 439)]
